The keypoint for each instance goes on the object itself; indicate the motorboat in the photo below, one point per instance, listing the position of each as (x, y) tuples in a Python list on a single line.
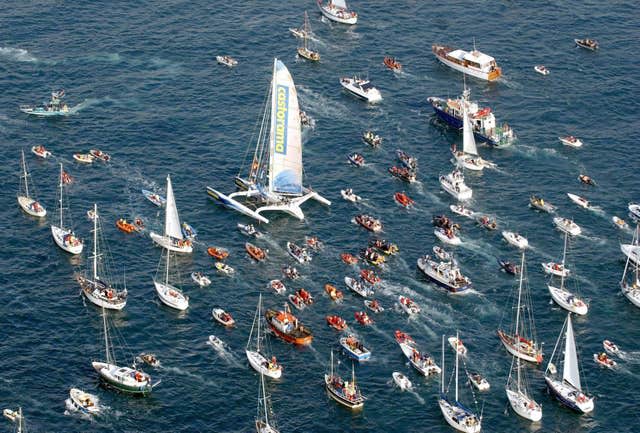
[(487, 223), (580, 201), (370, 276), (65, 237), (297, 301), (403, 173), (255, 350), (372, 139), (40, 151), (223, 317), (290, 272), (28, 203), (444, 222), (277, 286), (586, 180), (356, 159), (422, 362), (361, 88), (453, 183), (227, 61), (84, 158), (249, 230), (373, 305), (479, 382), (474, 63), (224, 268), (333, 292), (541, 69), (408, 305), (148, 358), (372, 257), (402, 381), (306, 121), (154, 198), (368, 222), (218, 253), (200, 279), (445, 274), (540, 204), (457, 345), (125, 226), (216, 342), (557, 269), (172, 238), (353, 348), (392, 63), (590, 44), (461, 210), (338, 11), (603, 360), (98, 154), (631, 286), (349, 259), (570, 141), (188, 231), (611, 347), (385, 247), (358, 287), (336, 322), (515, 239), (620, 223), (12, 415), (84, 402), (442, 254), (410, 162), (256, 253), (314, 243), (287, 327), (349, 195), (300, 254), (363, 318), (306, 297), (447, 236), (509, 267), (55, 107), (567, 226)]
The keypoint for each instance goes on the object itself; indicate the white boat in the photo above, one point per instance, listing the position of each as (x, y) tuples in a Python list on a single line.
[(338, 11), (84, 402), (457, 345), (98, 154), (274, 182), (519, 397), (590, 44), (611, 347), (227, 61), (96, 285), (562, 296), (461, 210), (472, 63), (169, 294), (64, 237), (557, 269), (154, 198), (455, 413), (53, 108), (84, 158), (568, 226), (451, 238), (349, 195), (603, 360), (408, 305), (468, 158), (580, 201), (634, 211), (304, 50), (478, 381), (278, 286), (402, 381), (172, 239), (571, 141), (254, 352), (541, 69), (445, 274), (361, 88), (224, 268), (442, 254), (453, 183), (515, 239), (216, 342), (300, 254), (12, 415), (540, 204), (249, 230), (40, 151), (27, 203), (223, 317), (620, 223), (358, 287), (632, 268), (422, 362), (200, 279), (567, 388), (264, 422)]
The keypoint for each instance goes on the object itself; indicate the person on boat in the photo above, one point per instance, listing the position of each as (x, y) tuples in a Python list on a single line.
[(602, 357)]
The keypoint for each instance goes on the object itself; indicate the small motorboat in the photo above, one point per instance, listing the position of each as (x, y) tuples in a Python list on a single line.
[(349, 195), (361, 88), (402, 381), (456, 344), (384, 246), (277, 286), (358, 287), (442, 254), (571, 141), (407, 160), (218, 253), (298, 253), (84, 402), (373, 257), (256, 253), (91, 215), (634, 211), (580, 201), (515, 239), (372, 139), (306, 297), (541, 69), (586, 180), (370, 276), (84, 158), (224, 268), (336, 322), (290, 272), (368, 222), (40, 151), (354, 348), (356, 159), (200, 279), (223, 317), (462, 210), (557, 269), (487, 223), (297, 301), (227, 61), (11, 415), (620, 223), (333, 292), (98, 154), (216, 342), (567, 226), (590, 44), (188, 231), (408, 305), (349, 259), (539, 203), (126, 226), (403, 200), (374, 305), (154, 198), (314, 242), (604, 360), (447, 236), (148, 358), (509, 267), (55, 107), (249, 230), (611, 347), (392, 63), (403, 173), (363, 318), (479, 382)]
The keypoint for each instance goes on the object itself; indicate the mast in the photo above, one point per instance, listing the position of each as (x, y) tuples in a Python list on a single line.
[(264, 401), (95, 244), (25, 175), (60, 201), (166, 272), (442, 375), (106, 336), (306, 30), (332, 365), (457, 343), (258, 330), (564, 257), (518, 320)]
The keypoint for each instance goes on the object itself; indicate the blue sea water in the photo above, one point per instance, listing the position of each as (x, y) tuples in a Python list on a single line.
[(152, 95)]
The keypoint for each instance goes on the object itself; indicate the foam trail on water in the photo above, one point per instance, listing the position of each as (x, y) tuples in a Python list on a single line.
[(17, 54)]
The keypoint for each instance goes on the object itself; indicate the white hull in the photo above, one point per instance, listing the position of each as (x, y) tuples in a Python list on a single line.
[(523, 351), (632, 294), (567, 226), (171, 296), (333, 15), (515, 240), (464, 70), (402, 381), (524, 405), (450, 412), (550, 269), (350, 197), (84, 402), (373, 95), (580, 201), (462, 211), (462, 193), (632, 252), (169, 244), (577, 144), (423, 369), (455, 240), (568, 301), (201, 280), (96, 299), (260, 364), (470, 162), (26, 205), (58, 236), (566, 394)]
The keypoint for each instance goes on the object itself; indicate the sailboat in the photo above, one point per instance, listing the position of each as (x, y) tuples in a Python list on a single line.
[(125, 379), (172, 239), (274, 182), (97, 287), (344, 392), (456, 414), (632, 290), (562, 296), (16, 417), (567, 388), (257, 360), (169, 294), (304, 50), (28, 204), (65, 238), (264, 421), (468, 157), (522, 342)]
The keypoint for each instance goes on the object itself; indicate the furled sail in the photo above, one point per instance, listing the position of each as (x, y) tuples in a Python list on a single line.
[(571, 372), (171, 218), (468, 140)]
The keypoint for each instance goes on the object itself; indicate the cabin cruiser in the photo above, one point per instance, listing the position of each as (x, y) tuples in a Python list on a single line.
[(361, 88)]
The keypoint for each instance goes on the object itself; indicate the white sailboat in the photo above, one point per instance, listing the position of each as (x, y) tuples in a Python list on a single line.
[(257, 360), (338, 11), (567, 388), (264, 420), (522, 341), (454, 412), (274, 182), (468, 157), (562, 296), (65, 238), (632, 290), (97, 286), (173, 238), (28, 204), (168, 293)]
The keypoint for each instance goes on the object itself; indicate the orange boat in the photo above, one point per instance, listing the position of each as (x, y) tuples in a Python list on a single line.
[(256, 253), (333, 292), (305, 296), (369, 276), (403, 199), (349, 259), (336, 322), (286, 326), (218, 253), (392, 63), (125, 226)]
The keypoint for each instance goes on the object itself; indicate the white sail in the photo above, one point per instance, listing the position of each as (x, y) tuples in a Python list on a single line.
[(339, 3), (285, 139), (468, 140), (171, 218), (571, 371)]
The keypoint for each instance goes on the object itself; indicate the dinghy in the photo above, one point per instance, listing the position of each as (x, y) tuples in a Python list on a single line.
[(200, 279), (571, 141), (83, 158), (169, 294), (216, 342), (188, 231), (335, 294), (373, 305), (27, 203), (368, 222), (461, 210), (84, 402), (125, 226), (370, 276), (603, 360), (98, 154), (580, 201), (349, 195), (442, 254), (372, 139), (227, 61), (589, 44), (509, 267), (148, 358), (64, 237), (256, 253), (300, 254), (453, 183), (402, 381), (567, 226), (254, 351), (154, 198), (297, 301), (224, 268), (539, 203), (586, 180), (277, 286), (218, 253), (358, 287), (448, 236), (290, 272), (611, 347), (172, 238), (361, 88), (562, 296), (363, 318), (40, 151), (354, 348), (249, 230), (457, 345), (515, 239), (372, 257), (403, 200), (392, 63), (541, 69), (223, 317), (479, 382), (356, 159), (349, 259), (338, 11), (384, 246), (342, 391), (336, 322), (410, 162), (620, 223), (408, 305)]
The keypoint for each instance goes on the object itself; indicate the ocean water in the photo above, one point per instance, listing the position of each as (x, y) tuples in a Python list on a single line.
[(152, 95)]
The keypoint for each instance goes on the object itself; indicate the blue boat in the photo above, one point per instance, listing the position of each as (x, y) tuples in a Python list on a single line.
[(154, 198), (53, 108), (354, 349), (188, 231)]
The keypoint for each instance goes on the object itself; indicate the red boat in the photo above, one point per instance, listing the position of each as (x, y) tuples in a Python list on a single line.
[(218, 253), (401, 337), (363, 318), (403, 199), (305, 296), (392, 63), (286, 326), (336, 322), (333, 292), (349, 259), (369, 276), (256, 253)]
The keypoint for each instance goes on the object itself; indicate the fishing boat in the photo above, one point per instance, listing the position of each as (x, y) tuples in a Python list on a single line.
[(455, 413), (354, 348), (264, 421), (336, 322), (303, 49), (468, 158), (169, 294), (84, 158), (129, 380), (349, 259), (567, 387), (200, 279), (274, 182), (474, 63), (570, 141), (580, 201), (349, 195), (298, 253), (344, 392), (372, 139), (287, 327), (540, 204), (567, 226), (509, 267), (632, 269), (338, 11), (218, 253), (392, 63), (154, 198), (98, 154), (515, 239), (254, 350), (368, 222), (448, 236), (541, 69), (223, 317), (277, 286), (589, 44), (562, 296), (521, 340), (27, 203), (256, 253), (227, 61), (445, 274), (55, 107), (402, 381), (374, 305), (249, 230), (453, 183), (408, 305), (422, 362), (358, 287), (363, 318), (172, 238), (40, 151), (333, 292), (84, 402), (603, 360), (361, 88), (356, 159), (478, 381), (461, 210), (611, 347), (97, 285), (64, 237)]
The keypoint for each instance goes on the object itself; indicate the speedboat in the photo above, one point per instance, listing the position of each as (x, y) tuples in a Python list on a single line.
[(509, 267), (411, 162), (453, 183), (611, 347), (227, 61), (479, 382), (223, 317), (539, 203), (356, 159), (586, 180), (568, 226), (300, 254), (604, 360), (200, 279), (461, 210), (374, 140), (568, 300), (336, 322), (40, 151), (368, 222), (571, 141), (392, 63), (541, 69), (53, 108), (224, 268), (402, 381), (218, 253), (408, 305), (349, 259), (361, 88), (373, 305), (358, 287), (154, 198), (12, 415), (403, 200), (472, 63), (354, 348), (256, 253), (83, 401), (580, 201), (442, 254), (422, 362), (338, 11), (403, 173), (363, 318), (349, 195), (333, 292), (620, 223), (216, 342), (444, 274), (277, 286), (634, 211), (515, 239), (249, 230), (447, 236), (590, 44), (84, 158), (557, 269), (456, 344)]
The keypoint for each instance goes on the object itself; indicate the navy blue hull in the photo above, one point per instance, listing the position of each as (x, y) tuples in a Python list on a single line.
[(456, 123), (568, 403)]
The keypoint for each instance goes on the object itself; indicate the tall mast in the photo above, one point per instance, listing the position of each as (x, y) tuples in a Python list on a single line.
[(442, 375), (517, 336), (25, 174), (457, 344), (258, 337), (332, 364), (60, 201), (106, 336), (564, 257), (166, 273), (264, 400), (95, 243)]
